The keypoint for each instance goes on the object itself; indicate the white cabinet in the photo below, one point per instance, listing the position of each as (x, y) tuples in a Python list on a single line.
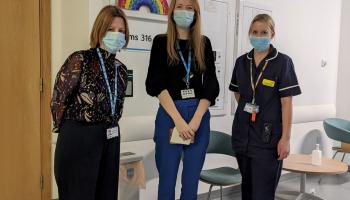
[(247, 12), (215, 25)]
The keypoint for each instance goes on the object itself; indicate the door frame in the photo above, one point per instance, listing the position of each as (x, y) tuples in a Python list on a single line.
[(45, 114)]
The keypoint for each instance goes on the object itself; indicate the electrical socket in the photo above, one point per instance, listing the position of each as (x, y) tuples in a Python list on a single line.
[(313, 191)]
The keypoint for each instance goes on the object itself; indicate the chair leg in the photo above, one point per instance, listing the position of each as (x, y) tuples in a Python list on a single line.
[(220, 192), (335, 154), (343, 157), (320, 180), (211, 187)]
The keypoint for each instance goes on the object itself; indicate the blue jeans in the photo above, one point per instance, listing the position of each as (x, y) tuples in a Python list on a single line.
[(168, 155)]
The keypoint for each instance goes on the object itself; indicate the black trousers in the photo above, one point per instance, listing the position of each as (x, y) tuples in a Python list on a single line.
[(260, 177), (86, 163)]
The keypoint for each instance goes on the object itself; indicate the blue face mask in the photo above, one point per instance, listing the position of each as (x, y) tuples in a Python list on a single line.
[(183, 18), (114, 41), (260, 43)]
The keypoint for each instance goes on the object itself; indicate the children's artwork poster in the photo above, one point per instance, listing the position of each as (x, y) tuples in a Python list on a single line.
[(155, 6), (146, 18)]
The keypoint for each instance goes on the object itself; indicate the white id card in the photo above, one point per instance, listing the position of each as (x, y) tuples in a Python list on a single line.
[(112, 132), (250, 108), (186, 94)]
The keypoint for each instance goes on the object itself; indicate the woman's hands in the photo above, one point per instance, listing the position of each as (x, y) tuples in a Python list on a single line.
[(198, 115), (186, 132), (283, 148), (195, 123)]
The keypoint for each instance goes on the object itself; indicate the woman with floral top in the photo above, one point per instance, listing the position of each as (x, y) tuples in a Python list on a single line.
[(86, 106)]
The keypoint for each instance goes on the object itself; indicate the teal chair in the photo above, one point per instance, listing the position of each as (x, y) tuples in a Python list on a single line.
[(339, 130), (220, 143)]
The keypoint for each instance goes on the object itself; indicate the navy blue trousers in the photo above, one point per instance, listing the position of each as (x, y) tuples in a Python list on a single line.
[(260, 177), (168, 155)]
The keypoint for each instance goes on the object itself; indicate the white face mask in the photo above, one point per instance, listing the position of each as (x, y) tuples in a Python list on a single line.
[(260, 43), (183, 18), (114, 41)]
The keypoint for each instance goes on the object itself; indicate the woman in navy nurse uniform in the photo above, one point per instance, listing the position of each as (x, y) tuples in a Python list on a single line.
[(263, 82)]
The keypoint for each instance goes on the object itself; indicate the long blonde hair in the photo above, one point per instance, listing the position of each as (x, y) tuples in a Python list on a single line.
[(196, 39)]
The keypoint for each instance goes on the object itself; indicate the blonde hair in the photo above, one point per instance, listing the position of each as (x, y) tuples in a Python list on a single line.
[(102, 23), (265, 18), (196, 39)]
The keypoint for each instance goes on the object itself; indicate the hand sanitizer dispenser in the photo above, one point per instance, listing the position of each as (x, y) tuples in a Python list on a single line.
[(317, 156)]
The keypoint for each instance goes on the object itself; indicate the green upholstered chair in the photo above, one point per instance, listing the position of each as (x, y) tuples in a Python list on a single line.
[(220, 143), (339, 130)]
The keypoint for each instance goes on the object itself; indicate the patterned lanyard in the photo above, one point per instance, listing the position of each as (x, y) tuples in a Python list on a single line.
[(257, 80)]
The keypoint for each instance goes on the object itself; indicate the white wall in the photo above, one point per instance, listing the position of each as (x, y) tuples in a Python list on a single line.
[(70, 30), (308, 31), (343, 91)]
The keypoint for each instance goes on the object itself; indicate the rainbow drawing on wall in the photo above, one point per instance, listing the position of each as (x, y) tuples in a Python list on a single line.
[(155, 6)]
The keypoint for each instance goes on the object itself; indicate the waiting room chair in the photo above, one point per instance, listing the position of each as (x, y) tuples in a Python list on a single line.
[(220, 143), (339, 130)]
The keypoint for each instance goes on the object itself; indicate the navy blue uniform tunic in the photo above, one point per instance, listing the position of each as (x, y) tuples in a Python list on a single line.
[(278, 80)]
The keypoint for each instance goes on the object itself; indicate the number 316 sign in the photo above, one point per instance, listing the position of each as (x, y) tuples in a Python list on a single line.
[(142, 33)]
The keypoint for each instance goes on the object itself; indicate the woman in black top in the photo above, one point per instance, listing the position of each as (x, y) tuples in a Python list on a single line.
[(182, 75), (86, 106)]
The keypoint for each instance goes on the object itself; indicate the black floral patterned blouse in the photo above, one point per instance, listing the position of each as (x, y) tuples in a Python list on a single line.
[(80, 91)]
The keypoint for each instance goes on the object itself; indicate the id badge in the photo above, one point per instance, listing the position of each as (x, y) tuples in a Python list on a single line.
[(188, 93), (112, 132), (251, 108)]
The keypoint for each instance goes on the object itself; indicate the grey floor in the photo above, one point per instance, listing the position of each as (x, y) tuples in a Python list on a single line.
[(331, 187)]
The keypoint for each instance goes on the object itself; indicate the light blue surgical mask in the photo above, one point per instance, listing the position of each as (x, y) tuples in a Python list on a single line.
[(183, 18), (114, 41), (260, 43)]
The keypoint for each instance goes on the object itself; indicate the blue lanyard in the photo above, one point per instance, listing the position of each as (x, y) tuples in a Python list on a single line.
[(112, 97), (187, 65)]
